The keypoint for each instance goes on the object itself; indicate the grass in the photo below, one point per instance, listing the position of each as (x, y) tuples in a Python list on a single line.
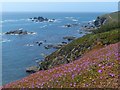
[(107, 27), (112, 17), (79, 47)]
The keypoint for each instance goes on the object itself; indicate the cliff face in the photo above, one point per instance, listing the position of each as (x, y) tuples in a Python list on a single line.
[(96, 69), (107, 18), (112, 17), (80, 46), (100, 21)]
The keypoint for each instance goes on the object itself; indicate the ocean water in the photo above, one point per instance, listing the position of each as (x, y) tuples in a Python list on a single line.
[(17, 55)]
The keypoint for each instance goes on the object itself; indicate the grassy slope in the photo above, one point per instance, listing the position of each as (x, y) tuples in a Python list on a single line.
[(98, 68), (78, 47), (112, 17)]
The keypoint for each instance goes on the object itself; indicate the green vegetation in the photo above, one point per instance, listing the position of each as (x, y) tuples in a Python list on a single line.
[(96, 69), (112, 17), (105, 35), (107, 27), (79, 47)]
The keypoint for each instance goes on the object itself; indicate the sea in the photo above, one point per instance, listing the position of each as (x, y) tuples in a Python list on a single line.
[(21, 51)]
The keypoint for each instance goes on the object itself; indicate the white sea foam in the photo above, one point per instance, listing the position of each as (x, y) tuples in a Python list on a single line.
[(57, 20), (0, 34), (4, 40), (11, 20), (30, 45), (75, 20), (69, 17), (34, 33), (43, 26), (72, 18)]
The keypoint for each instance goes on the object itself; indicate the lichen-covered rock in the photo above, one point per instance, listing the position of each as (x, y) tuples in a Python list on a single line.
[(32, 69)]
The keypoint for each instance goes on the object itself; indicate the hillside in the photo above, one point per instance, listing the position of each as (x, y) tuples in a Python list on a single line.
[(105, 35), (98, 68), (112, 17), (89, 61), (78, 48)]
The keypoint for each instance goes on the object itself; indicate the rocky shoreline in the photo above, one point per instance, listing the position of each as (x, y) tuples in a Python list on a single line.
[(95, 24), (89, 27)]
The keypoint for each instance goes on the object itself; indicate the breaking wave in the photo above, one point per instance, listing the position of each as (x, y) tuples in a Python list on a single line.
[(10, 20), (4, 40)]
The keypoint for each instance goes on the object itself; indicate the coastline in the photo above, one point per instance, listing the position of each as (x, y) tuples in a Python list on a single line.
[(89, 27), (74, 49)]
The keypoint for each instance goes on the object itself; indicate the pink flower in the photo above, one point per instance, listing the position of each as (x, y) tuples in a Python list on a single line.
[(112, 75), (100, 71)]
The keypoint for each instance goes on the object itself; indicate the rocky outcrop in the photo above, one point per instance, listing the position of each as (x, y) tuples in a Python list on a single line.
[(100, 21), (58, 46), (41, 19), (94, 24), (39, 42), (32, 69), (18, 32), (70, 25), (69, 38), (48, 46)]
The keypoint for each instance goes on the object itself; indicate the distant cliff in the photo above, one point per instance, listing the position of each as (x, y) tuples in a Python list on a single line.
[(107, 18), (105, 35)]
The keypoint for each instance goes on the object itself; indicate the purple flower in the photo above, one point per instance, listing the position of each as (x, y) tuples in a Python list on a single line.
[(73, 76), (70, 84), (112, 75), (100, 71)]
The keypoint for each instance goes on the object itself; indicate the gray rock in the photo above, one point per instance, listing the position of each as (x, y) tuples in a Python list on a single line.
[(69, 38), (18, 32), (32, 69), (41, 19), (70, 25)]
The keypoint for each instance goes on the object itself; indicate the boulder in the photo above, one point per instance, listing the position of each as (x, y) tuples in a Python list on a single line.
[(58, 46), (32, 69), (69, 38), (41, 19), (64, 42), (99, 21), (39, 43), (48, 46), (18, 32), (70, 25)]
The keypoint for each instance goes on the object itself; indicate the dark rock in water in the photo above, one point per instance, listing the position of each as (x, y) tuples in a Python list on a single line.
[(70, 25), (48, 46), (45, 40), (32, 69), (18, 32), (54, 46), (69, 38), (80, 32), (41, 19), (58, 46), (64, 42), (35, 18), (39, 43)]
